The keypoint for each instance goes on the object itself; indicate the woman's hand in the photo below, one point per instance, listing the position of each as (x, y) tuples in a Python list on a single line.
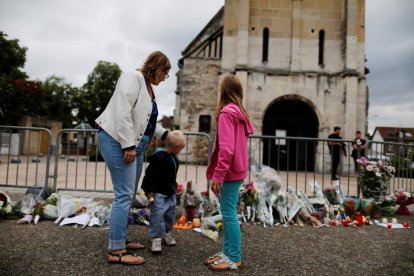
[(149, 195), (216, 187), (129, 155)]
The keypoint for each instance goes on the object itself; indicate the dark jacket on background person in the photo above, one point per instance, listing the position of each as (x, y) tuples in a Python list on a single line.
[(336, 149), (161, 173)]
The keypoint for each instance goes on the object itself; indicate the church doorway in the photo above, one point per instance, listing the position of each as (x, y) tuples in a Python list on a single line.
[(290, 116)]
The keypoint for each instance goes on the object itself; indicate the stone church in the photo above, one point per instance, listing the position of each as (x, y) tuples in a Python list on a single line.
[(301, 63)]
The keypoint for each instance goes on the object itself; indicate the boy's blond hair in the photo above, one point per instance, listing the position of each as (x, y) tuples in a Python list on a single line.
[(175, 138)]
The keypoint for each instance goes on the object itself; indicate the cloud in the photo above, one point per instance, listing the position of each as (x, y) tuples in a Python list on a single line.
[(68, 38), (389, 50)]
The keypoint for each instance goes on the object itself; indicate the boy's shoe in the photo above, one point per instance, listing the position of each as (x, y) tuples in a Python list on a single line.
[(156, 246), (169, 240)]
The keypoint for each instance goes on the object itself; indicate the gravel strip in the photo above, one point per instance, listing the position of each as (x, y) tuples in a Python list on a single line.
[(46, 249)]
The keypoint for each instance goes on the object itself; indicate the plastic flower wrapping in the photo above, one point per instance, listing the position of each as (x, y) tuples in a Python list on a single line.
[(374, 179), (267, 186), (64, 209)]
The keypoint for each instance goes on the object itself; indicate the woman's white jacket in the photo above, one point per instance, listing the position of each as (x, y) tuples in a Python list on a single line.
[(127, 114)]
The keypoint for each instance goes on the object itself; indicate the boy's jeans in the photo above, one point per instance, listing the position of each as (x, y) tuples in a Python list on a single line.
[(229, 195), (162, 215), (125, 177)]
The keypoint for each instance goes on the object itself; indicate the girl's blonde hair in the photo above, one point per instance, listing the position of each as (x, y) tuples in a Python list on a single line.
[(231, 91), (156, 61)]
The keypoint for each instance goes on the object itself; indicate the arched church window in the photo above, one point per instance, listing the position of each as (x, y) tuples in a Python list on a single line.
[(204, 123), (265, 50), (321, 47)]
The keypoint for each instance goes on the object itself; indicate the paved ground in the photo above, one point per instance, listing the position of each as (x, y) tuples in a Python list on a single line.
[(47, 249)]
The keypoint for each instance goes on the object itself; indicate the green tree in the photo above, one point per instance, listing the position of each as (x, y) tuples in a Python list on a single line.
[(20, 97), (12, 58), (97, 91), (60, 100), (13, 102)]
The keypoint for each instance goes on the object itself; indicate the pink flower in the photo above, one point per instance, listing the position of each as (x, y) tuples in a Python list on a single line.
[(249, 186), (328, 187), (363, 161)]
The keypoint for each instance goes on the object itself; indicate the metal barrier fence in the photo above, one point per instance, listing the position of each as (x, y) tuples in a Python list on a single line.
[(23, 150), (300, 160), (77, 164)]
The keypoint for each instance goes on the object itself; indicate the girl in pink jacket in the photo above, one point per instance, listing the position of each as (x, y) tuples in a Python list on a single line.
[(228, 167)]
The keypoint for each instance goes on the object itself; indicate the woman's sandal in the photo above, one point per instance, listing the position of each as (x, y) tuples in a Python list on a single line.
[(134, 245), (215, 257), (123, 254), (229, 265)]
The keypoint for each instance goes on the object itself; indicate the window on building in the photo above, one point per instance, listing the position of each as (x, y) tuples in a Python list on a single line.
[(265, 50), (321, 47), (204, 123)]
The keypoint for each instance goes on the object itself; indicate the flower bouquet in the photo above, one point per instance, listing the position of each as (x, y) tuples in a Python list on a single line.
[(388, 206), (351, 206), (281, 206), (179, 194), (248, 196), (331, 194), (5, 205), (192, 201), (374, 179), (139, 216), (403, 199), (267, 186)]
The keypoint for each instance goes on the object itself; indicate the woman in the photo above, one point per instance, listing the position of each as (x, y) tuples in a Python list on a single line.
[(228, 167), (125, 128)]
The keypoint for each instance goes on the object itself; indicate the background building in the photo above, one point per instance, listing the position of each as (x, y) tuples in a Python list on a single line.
[(301, 63)]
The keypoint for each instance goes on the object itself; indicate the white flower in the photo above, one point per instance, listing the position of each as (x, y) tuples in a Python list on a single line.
[(369, 168), (7, 209), (378, 174), (372, 162)]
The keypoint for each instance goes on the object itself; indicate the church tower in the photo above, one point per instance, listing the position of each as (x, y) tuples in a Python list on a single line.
[(301, 63)]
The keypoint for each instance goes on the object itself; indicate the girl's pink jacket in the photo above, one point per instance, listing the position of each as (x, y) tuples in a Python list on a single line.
[(229, 160)]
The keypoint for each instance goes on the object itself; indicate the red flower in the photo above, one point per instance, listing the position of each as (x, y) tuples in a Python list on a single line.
[(179, 188)]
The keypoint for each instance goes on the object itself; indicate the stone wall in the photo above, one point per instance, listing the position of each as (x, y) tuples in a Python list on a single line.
[(198, 91)]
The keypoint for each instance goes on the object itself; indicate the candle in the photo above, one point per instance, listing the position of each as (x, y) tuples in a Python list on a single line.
[(196, 222)]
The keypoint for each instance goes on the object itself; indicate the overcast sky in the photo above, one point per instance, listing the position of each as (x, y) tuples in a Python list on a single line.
[(68, 38)]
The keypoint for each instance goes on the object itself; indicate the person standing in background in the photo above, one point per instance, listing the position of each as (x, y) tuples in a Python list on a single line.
[(335, 149), (358, 148)]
